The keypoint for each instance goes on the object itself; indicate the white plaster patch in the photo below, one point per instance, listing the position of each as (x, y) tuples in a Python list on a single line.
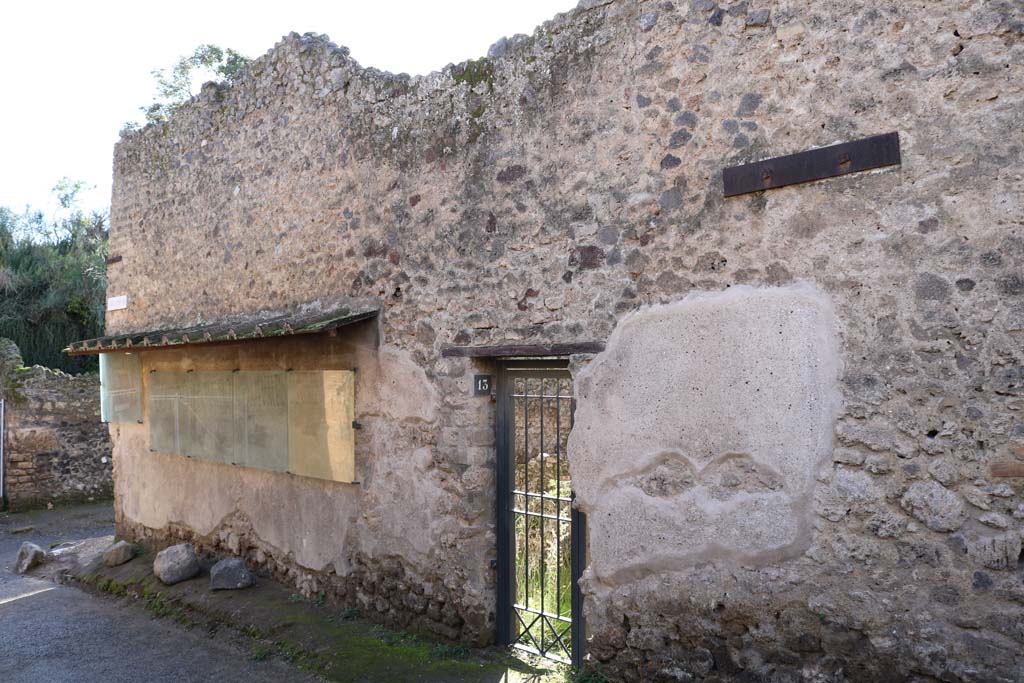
[(701, 427), (117, 303)]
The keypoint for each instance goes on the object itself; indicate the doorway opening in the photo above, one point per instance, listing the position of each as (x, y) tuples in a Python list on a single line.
[(541, 542)]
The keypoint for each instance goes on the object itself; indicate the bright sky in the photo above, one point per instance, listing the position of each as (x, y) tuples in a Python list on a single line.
[(72, 73)]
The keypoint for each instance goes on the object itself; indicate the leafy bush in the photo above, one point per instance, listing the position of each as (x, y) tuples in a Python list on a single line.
[(53, 268), (53, 280), (174, 86)]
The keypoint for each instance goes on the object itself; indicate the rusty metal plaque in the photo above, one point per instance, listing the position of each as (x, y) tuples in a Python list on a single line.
[(815, 164)]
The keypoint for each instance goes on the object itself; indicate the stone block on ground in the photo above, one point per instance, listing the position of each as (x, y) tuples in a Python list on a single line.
[(230, 574), (118, 554), (29, 555), (176, 564)]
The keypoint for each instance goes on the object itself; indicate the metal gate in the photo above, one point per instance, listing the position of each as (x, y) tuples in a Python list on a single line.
[(540, 536)]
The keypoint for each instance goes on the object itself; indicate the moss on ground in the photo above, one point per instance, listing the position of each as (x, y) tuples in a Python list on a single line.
[(271, 622), (352, 649)]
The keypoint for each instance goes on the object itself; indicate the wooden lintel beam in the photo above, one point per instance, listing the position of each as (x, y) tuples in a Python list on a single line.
[(522, 350)]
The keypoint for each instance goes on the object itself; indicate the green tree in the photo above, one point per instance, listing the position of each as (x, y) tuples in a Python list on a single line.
[(174, 86), (53, 279), (53, 268)]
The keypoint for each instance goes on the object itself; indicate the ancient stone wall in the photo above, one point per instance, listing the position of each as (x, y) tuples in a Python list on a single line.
[(568, 188), (56, 448)]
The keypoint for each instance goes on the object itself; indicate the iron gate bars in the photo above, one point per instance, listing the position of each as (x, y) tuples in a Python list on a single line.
[(540, 549)]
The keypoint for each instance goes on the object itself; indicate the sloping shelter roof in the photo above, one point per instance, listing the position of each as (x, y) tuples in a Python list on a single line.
[(259, 326)]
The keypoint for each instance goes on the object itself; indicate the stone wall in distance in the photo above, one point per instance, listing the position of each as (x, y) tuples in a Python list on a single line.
[(56, 449)]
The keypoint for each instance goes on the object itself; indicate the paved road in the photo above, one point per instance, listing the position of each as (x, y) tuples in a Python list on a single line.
[(56, 633)]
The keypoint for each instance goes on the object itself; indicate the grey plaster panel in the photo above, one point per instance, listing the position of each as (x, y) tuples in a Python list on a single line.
[(699, 431)]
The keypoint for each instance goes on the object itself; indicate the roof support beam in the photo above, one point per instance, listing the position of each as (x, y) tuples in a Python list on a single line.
[(522, 350)]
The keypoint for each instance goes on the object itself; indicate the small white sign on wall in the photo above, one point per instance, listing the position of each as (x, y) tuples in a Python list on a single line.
[(117, 303)]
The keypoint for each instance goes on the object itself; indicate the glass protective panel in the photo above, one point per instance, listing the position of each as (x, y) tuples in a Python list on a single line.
[(205, 415), (120, 379), (321, 441), (165, 389), (298, 422), (261, 421)]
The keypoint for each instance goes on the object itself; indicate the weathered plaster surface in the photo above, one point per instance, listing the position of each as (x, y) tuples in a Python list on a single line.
[(701, 428), (546, 193), (162, 490)]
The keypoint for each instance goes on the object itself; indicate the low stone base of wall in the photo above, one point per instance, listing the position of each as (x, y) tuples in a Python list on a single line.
[(675, 649), (718, 624), (33, 480), (384, 590)]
